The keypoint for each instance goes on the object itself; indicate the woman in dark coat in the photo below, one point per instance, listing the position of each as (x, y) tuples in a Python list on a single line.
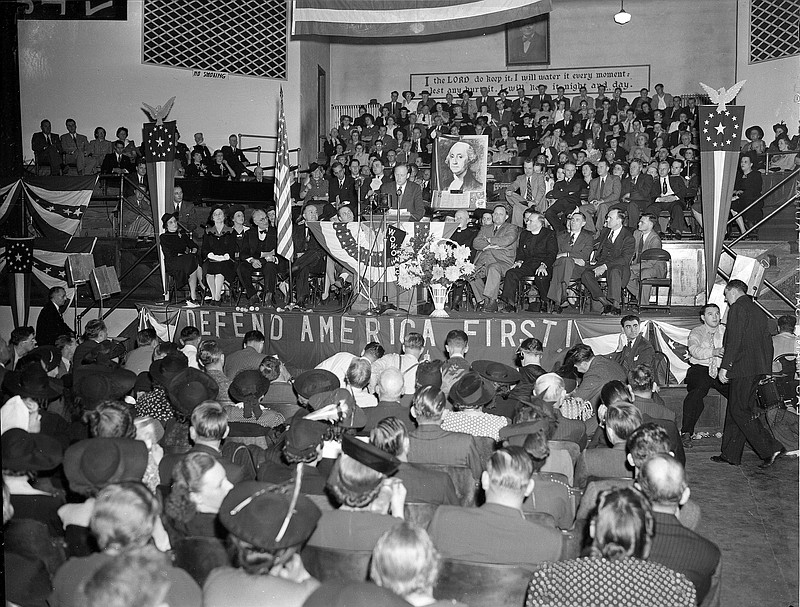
[(746, 189), (180, 257), (218, 253)]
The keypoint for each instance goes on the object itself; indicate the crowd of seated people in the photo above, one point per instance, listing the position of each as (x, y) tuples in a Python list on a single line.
[(228, 480)]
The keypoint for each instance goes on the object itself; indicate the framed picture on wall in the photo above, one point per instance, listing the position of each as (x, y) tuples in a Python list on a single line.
[(528, 42)]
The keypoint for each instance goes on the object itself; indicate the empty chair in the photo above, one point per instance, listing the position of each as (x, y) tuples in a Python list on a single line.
[(656, 283), (481, 584), (198, 556), (332, 564)]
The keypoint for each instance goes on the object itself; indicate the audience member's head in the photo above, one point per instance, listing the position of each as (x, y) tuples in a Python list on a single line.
[(199, 484), (189, 336), (428, 404), (507, 478), (406, 562), (373, 351), (390, 385), (787, 324), (413, 344), (147, 337), (536, 446), (663, 481), (390, 435), (456, 343), (358, 373), (254, 339), (124, 516), (640, 379), (581, 356), (110, 419), (210, 355), (621, 420), (209, 422), (623, 526), (134, 578), (647, 440)]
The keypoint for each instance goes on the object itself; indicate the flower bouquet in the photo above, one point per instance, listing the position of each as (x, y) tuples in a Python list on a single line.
[(434, 263)]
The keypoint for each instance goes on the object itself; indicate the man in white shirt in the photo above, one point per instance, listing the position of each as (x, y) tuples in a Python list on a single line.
[(705, 356), (339, 362), (407, 363), (785, 342)]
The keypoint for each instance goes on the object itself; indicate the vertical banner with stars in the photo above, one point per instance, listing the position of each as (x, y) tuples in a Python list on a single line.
[(19, 264), (720, 135), (159, 154)]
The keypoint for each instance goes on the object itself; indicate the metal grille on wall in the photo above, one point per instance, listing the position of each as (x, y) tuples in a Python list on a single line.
[(774, 29), (245, 37)]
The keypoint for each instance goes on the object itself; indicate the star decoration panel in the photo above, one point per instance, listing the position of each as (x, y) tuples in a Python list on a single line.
[(720, 131), (774, 29), (19, 255), (244, 37)]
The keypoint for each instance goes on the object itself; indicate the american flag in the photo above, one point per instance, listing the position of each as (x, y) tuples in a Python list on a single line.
[(283, 200), (19, 259), (720, 139), (57, 204), (371, 18), (159, 154)]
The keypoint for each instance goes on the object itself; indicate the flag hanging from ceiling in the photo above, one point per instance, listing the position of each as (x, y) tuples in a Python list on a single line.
[(283, 200), (395, 18), (57, 204), (19, 255), (720, 137), (159, 153)]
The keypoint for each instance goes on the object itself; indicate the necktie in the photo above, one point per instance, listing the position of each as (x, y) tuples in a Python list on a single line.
[(119, 159), (630, 343), (529, 191), (664, 187), (602, 184), (74, 140), (634, 180), (495, 230), (572, 237), (48, 139), (640, 247)]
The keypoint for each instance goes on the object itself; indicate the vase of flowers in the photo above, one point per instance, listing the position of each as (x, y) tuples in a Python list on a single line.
[(434, 263)]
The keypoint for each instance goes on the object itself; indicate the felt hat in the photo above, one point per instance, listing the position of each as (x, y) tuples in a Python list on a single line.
[(340, 593), (780, 125), (247, 387), (495, 371), (521, 88), (25, 452), (103, 353), (425, 92), (48, 356), (348, 116), (352, 415), (113, 384), (189, 388), (314, 166), (373, 101), (232, 210), (429, 373), (471, 390), (503, 90), (143, 382), (412, 93), (517, 433), (164, 369), (313, 382), (166, 217), (369, 455), (93, 463), (465, 91), (32, 381), (255, 512), (757, 129), (304, 436)]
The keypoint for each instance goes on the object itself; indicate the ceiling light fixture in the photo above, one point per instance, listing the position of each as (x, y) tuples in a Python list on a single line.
[(622, 17)]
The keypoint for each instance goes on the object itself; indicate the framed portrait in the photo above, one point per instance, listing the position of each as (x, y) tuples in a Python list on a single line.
[(459, 166), (528, 42)]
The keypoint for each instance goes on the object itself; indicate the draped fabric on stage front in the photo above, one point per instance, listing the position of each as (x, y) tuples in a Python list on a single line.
[(304, 339), (389, 18), (359, 245)]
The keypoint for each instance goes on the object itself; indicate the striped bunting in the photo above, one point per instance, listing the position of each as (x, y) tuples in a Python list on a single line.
[(395, 18)]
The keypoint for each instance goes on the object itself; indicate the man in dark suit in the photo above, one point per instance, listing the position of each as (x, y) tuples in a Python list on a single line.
[(646, 238), (536, 252), (187, 213), (670, 194), (209, 428), (597, 371), (50, 324), (747, 359), (406, 192), (616, 249), (663, 480), (527, 192), (621, 419), (422, 484), (309, 255), (47, 148), (259, 253), (633, 349), (638, 192), (516, 104), (73, 144), (235, 157), (565, 197), (117, 162), (497, 246), (485, 99), (604, 193), (342, 187), (541, 97), (618, 102), (574, 251), (394, 105), (497, 532), (601, 97)]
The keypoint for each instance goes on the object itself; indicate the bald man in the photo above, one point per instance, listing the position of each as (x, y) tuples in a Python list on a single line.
[(389, 390), (663, 481)]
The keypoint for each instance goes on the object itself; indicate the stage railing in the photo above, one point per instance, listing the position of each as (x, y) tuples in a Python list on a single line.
[(260, 150)]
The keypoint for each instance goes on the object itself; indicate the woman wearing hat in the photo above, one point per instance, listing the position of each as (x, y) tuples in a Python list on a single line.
[(239, 229), (180, 257), (155, 403), (408, 96), (199, 484), (218, 252), (267, 530), (746, 189), (469, 395), (315, 186), (371, 503), (24, 455), (124, 518), (32, 391), (246, 391)]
